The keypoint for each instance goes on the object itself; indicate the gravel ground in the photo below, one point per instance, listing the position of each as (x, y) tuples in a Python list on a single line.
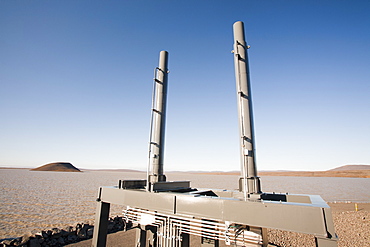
[(352, 228)]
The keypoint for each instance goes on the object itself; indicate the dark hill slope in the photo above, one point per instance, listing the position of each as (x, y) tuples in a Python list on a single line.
[(351, 167), (57, 167)]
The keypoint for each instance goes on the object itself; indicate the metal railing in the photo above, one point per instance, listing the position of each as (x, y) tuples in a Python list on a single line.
[(170, 228)]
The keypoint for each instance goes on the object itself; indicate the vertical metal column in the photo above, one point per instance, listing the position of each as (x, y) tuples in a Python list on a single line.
[(249, 182), (101, 224), (185, 240), (140, 236), (158, 122), (146, 236)]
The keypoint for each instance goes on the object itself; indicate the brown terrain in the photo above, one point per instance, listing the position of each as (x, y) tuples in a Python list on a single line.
[(57, 167), (353, 171)]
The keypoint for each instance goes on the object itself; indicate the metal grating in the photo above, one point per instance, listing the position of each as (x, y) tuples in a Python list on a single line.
[(171, 227)]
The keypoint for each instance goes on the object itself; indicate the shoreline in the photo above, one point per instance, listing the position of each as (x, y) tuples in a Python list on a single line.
[(327, 174), (365, 173)]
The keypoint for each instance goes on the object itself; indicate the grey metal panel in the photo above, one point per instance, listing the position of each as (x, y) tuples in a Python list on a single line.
[(170, 185), (298, 198), (132, 184), (202, 207), (303, 218), (284, 216), (139, 198), (326, 242), (225, 193)]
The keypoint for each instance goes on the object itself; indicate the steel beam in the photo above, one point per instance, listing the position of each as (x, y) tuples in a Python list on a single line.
[(101, 223), (310, 218)]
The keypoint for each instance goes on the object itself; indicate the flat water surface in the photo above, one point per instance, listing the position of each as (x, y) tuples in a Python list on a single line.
[(37, 200)]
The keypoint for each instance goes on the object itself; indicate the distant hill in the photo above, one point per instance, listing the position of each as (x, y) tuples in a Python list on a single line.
[(351, 167), (353, 171), (343, 173), (349, 171), (57, 167)]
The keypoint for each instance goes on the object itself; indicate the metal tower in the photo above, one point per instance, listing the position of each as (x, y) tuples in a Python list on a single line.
[(168, 213)]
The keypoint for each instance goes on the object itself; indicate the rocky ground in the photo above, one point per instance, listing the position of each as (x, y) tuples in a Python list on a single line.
[(62, 236)]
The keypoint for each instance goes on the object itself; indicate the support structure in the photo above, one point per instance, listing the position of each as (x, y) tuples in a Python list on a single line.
[(101, 223), (167, 213)]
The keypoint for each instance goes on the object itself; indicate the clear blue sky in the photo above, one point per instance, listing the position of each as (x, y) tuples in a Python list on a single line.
[(76, 82)]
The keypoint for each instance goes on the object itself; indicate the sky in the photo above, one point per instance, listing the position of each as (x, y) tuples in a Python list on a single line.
[(76, 82)]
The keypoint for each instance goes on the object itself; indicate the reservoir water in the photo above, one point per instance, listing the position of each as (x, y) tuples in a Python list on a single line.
[(40, 200)]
